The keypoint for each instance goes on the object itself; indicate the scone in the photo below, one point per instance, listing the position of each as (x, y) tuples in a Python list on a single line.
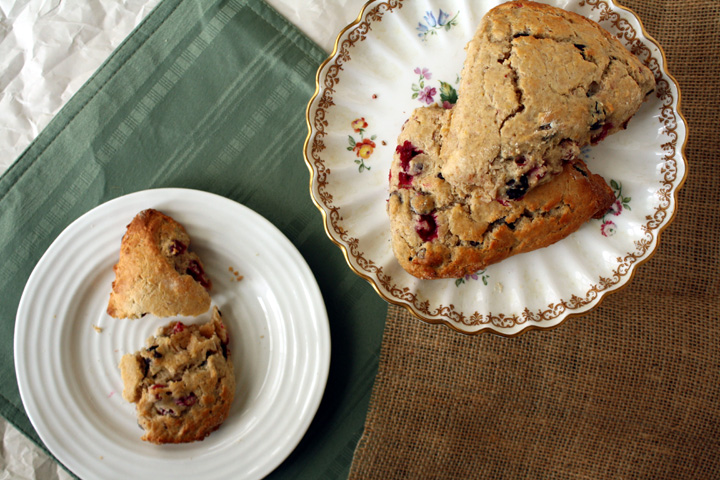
[(182, 382), (538, 84), (156, 272), (438, 232)]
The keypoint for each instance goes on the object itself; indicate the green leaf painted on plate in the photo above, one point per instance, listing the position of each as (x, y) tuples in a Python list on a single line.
[(448, 93)]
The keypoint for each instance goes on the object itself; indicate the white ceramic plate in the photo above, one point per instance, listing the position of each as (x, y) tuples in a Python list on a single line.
[(400, 55), (67, 368)]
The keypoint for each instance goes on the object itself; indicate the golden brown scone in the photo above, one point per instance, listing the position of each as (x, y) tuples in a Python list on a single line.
[(439, 233), (538, 84), (156, 273), (182, 382)]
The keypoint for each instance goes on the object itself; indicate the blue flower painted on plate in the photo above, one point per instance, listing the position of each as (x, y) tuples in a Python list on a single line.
[(432, 24), (585, 152)]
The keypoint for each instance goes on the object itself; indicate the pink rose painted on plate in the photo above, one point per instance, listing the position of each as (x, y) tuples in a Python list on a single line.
[(608, 228)]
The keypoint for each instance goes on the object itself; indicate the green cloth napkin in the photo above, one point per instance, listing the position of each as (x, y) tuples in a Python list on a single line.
[(209, 96)]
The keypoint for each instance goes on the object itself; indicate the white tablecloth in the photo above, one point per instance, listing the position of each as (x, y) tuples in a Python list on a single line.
[(48, 49)]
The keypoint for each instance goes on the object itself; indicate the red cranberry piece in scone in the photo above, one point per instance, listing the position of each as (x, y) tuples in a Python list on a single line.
[(156, 272), (182, 382)]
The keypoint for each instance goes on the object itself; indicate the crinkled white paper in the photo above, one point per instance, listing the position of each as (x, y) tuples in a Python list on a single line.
[(48, 50)]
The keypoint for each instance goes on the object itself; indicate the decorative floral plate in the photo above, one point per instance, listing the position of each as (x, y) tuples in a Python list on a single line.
[(399, 55)]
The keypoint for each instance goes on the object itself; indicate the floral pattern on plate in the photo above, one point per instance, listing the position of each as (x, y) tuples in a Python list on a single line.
[(425, 93), (481, 275), (362, 147), (431, 24), (608, 227)]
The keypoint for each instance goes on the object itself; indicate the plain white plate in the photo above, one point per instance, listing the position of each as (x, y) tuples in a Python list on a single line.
[(398, 56), (67, 348)]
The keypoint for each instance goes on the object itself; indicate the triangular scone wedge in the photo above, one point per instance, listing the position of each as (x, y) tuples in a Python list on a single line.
[(538, 84), (156, 272), (438, 232)]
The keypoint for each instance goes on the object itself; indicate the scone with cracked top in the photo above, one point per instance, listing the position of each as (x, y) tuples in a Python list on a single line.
[(440, 232), (538, 84), (182, 382), (156, 272)]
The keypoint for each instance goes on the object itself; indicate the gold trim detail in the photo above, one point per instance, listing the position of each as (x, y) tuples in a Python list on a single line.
[(447, 314)]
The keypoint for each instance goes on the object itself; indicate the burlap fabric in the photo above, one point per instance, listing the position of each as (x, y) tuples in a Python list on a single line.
[(628, 391)]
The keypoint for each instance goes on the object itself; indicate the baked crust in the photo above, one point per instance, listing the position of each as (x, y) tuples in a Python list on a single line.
[(156, 273), (438, 232), (538, 84), (182, 382)]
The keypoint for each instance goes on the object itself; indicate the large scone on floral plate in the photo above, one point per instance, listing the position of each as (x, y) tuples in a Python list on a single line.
[(538, 84), (439, 232), (182, 382), (156, 272)]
